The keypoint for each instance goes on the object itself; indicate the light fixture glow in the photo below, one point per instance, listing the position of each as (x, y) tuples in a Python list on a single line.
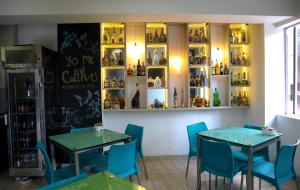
[(176, 63), (217, 54), (134, 50)]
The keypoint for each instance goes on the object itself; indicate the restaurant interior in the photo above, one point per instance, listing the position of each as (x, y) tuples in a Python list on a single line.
[(134, 95)]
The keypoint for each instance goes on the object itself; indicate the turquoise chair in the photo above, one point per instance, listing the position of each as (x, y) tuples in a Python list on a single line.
[(136, 132), (121, 161), (279, 173), (192, 130), (60, 174), (62, 183), (88, 158), (217, 158), (259, 155)]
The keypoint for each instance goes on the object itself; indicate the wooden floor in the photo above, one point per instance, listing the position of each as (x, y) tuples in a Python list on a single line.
[(165, 173)]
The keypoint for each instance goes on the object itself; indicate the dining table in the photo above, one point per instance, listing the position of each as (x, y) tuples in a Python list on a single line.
[(83, 141), (102, 181), (248, 139)]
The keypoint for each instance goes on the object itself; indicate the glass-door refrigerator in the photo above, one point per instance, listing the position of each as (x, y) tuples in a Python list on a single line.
[(24, 68)]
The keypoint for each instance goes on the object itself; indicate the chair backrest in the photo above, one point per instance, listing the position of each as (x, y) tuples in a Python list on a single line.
[(121, 159), (262, 152), (192, 130), (284, 165), (216, 157), (74, 130), (61, 183), (137, 133), (49, 174)]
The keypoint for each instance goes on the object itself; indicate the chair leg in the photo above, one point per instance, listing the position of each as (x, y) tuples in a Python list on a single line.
[(242, 181), (297, 184), (130, 178), (209, 181), (199, 182), (137, 176), (230, 185), (259, 184), (216, 182), (187, 166), (146, 173)]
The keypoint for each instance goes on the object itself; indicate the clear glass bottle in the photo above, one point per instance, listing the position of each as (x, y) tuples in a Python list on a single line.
[(114, 38), (155, 58)]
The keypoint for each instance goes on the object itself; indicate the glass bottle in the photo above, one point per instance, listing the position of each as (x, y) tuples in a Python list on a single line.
[(121, 36), (138, 69), (202, 79), (216, 101), (243, 36), (112, 59), (107, 102), (105, 61), (143, 70), (121, 83), (155, 58), (149, 59), (226, 70), (156, 38), (175, 103), (129, 71), (217, 68), (213, 70), (244, 60), (182, 99), (122, 102), (106, 83), (191, 58), (106, 37), (191, 35), (196, 36), (221, 69), (163, 37), (114, 82), (245, 99), (135, 102), (162, 60), (121, 60), (192, 80), (114, 36)]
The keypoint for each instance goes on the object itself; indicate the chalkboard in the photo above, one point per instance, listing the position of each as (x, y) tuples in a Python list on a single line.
[(79, 74)]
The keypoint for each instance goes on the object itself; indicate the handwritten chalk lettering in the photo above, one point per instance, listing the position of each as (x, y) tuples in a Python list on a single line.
[(71, 61), (77, 77), (87, 59)]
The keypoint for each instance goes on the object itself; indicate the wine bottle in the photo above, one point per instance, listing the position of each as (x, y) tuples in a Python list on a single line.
[(138, 69), (162, 60), (216, 101), (135, 102), (175, 104), (149, 59), (121, 60), (143, 70), (221, 69)]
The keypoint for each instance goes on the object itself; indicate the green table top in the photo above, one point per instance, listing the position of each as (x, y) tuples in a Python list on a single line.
[(88, 139), (102, 181), (238, 135)]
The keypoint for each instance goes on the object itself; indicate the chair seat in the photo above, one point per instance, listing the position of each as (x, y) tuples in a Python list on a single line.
[(65, 173), (243, 156)]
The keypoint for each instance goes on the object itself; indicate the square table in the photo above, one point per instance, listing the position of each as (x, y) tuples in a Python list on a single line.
[(250, 139), (82, 141), (102, 181)]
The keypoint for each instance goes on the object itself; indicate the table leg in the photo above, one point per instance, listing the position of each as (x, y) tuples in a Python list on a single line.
[(52, 156), (278, 146), (250, 166), (76, 156), (198, 164)]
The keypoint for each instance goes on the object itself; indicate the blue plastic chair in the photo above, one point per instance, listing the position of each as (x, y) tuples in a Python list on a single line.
[(136, 132), (60, 174), (121, 161), (259, 155), (62, 183), (192, 130), (279, 173), (217, 158), (88, 158)]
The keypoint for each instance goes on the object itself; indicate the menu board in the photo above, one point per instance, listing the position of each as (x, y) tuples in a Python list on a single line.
[(79, 74)]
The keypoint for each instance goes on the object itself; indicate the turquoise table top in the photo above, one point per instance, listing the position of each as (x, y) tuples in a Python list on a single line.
[(102, 181), (238, 135), (86, 139)]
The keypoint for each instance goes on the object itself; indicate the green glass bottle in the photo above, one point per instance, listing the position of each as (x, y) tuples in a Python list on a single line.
[(216, 101)]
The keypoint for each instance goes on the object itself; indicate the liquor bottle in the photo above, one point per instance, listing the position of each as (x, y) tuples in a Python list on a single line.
[(244, 60), (135, 102), (138, 69), (156, 38), (245, 99), (121, 83), (221, 69), (239, 99), (244, 79), (192, 80), (196, 37), (150, 37), (122, 102), (231, 37), (106, 37), (216, 101), (231, 58), (121, 36), (112, 59), (114, 82), (114, 36), (149, 59), (121, 60), (202, 79), (213, 70), (162, 60), (182, 99), (155, 58), (201, 35), (206, 81), (143, 70), (191, 35), (175, 103), (105, 61), (129, 71), (198, 82), (191, 58), (107, 102), (243, 36), (217, 68), (162, 37), (226, 70), (106, 83)]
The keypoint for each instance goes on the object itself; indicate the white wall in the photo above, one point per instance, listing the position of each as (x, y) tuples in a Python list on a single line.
[(231, 7)]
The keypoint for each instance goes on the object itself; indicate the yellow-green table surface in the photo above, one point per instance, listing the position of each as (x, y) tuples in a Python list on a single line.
[(86, 139), (238, 135), (102, 181)]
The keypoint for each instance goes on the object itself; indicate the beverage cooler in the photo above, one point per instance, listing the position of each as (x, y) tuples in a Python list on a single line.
[(24, 70)]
